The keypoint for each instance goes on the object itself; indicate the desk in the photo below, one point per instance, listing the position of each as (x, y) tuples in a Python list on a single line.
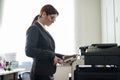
[(10, 75)]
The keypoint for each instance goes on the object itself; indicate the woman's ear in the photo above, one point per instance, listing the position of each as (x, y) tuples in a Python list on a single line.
[(43, 14)]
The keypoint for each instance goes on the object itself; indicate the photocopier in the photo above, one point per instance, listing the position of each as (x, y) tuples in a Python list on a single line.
[(104, 60)]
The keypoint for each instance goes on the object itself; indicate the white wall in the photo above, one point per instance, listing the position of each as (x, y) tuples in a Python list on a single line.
[(87, 30), (87, 27), (20, 17), (87, 22)]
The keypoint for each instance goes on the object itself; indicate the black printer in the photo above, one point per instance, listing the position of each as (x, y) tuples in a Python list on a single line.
[(102, 54), (106, 55)]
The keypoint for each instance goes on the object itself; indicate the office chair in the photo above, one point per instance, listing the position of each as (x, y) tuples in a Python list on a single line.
[(24, 76)]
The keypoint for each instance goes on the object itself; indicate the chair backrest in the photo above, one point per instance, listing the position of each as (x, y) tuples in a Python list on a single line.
[(25, 76)]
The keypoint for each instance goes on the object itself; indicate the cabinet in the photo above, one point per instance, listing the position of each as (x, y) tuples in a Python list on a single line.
[(12, 76), (110, 12)]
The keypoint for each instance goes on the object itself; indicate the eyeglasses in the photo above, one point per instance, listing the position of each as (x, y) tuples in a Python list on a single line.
[(53, 18)]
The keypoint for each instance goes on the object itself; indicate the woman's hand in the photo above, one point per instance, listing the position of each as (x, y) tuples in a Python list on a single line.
[(56, 60)]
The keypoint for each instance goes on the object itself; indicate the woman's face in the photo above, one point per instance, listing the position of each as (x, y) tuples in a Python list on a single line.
[(50, 19)]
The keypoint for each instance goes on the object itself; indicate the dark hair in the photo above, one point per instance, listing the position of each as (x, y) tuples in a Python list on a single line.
[(49, 9), (35, 18)]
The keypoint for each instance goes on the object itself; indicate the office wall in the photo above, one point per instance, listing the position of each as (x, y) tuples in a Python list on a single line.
[(87, 30), (87, 22)]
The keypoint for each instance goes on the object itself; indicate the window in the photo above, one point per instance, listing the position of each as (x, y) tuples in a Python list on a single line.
[(17, 17)]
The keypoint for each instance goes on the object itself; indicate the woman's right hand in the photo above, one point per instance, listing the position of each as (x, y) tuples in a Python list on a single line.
[(56, 60)]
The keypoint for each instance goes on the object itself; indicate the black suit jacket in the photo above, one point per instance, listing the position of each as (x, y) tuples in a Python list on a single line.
[(41, 47)]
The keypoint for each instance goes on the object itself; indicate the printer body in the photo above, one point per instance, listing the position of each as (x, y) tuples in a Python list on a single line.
[(104, 60)]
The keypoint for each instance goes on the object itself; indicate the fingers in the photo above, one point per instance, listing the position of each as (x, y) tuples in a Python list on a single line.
[(56, 60)]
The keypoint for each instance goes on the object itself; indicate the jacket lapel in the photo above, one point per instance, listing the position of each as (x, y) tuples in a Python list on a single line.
[(41, 28)]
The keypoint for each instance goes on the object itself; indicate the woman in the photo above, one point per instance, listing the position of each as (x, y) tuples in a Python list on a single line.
[(41, 46)]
